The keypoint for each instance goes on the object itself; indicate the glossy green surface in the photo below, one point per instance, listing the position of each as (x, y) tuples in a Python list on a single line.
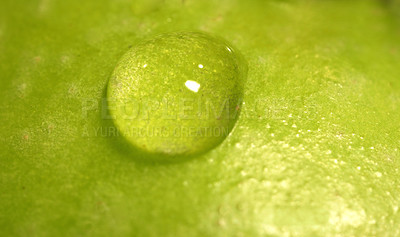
[(313, 153), (178, 94)]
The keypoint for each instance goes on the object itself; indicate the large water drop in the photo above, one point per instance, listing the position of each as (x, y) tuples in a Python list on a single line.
[(177, 94)]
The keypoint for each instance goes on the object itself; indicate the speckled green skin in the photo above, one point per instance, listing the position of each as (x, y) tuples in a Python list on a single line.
[(154, 109), (318, 157)]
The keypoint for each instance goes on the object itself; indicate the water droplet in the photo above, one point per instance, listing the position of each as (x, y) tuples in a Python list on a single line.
[(177, 94)]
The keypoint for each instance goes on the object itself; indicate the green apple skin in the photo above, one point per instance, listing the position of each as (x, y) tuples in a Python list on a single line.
[(314, 152)]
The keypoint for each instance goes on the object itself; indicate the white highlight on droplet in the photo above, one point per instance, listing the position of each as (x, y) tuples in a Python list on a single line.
[(145, 65), (201, 66), (229, 49), (192, 85)]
